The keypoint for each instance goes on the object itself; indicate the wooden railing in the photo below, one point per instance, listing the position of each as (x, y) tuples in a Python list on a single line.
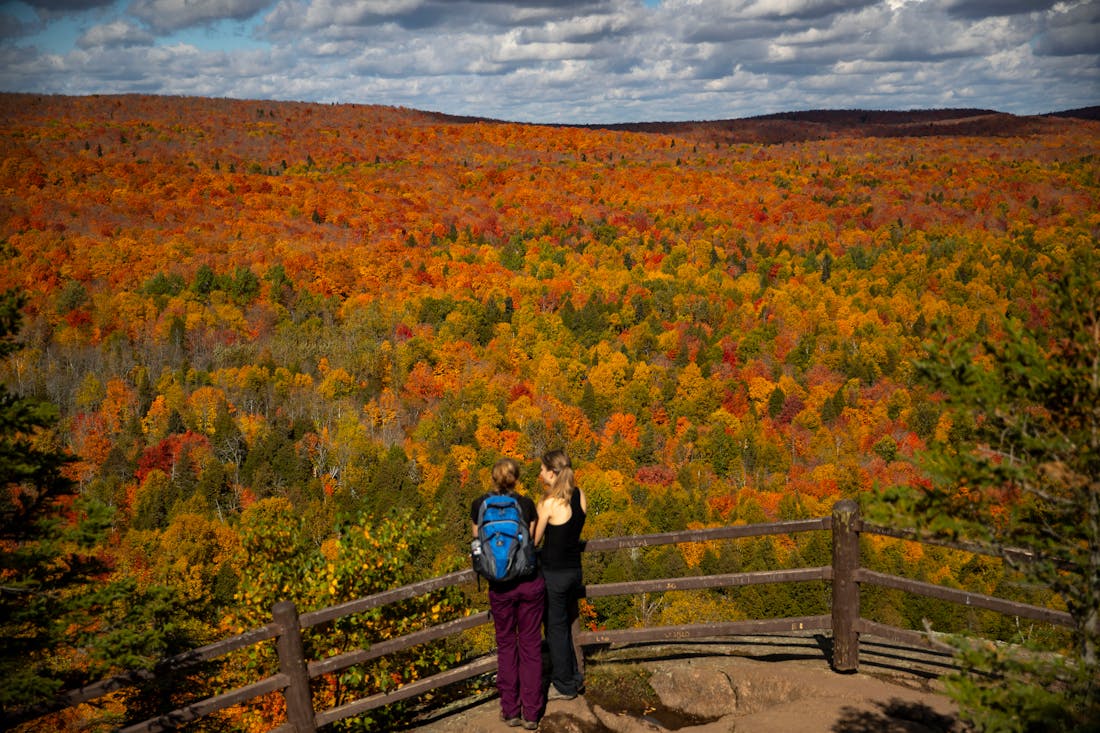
[(844, 622)]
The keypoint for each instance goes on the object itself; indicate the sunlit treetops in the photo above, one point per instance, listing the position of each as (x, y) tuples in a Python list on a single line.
[(753, 307)]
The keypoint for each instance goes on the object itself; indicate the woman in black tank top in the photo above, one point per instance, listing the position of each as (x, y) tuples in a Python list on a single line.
[(562, 512)]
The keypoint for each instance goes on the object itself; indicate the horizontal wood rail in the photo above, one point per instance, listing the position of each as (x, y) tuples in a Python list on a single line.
[(698, 582), (391, 646), (966, 598), (1008, 553), (705, 631), (733, 532), (187, 659), (211, 705), (473, 669), (844, 623), (315, 618)]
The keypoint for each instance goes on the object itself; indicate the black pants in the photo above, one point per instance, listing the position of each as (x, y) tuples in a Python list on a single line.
[(563, 590)]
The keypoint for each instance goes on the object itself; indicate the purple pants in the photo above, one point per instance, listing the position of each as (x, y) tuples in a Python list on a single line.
[(517, 619)]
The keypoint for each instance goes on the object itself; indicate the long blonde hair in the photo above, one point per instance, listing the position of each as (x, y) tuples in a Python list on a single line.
[(505, 476), (563, 486)]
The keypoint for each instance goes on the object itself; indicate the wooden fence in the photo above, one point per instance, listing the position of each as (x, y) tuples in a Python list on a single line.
[(844, 622)]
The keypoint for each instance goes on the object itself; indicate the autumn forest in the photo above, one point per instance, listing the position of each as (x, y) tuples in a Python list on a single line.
[(287, 341)]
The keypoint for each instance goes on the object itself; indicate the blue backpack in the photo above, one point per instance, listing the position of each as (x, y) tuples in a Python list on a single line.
[(504, 549)]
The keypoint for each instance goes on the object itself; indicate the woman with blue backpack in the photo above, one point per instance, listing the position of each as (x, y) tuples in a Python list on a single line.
[(503, 552), (561, 515)]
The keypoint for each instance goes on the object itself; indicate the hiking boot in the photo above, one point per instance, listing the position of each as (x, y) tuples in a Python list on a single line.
[(530, 725)]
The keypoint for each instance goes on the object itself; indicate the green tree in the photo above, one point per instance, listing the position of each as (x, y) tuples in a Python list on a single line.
[(274, 465), (245, 285), (64, 619), (33, 562), (391, 486), (1021, 469), (281, 287), (775, 402), (280, 561), (206, 280)]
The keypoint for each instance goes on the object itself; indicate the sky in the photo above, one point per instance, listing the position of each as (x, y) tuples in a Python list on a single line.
[(567, 61)]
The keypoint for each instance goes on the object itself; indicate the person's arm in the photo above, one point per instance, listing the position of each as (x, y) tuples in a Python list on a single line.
[(473, 516), (584, 502), (544, 518), (533, 523)]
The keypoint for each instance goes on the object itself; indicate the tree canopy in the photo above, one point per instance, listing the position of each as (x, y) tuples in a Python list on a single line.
[(1019, 469), (350, 312)]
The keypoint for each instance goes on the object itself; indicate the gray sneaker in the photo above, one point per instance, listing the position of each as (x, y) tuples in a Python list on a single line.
[(555, 694)]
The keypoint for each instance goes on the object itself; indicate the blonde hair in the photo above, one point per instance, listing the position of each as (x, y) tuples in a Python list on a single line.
[(505, 475), (563, 486)]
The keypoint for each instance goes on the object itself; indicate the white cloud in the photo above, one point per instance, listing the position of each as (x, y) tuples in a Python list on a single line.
[(580, 60), (49, 7), (1072, 29), (802, 9), (973, 9), (514, 48), (115, 33), (172, 15)]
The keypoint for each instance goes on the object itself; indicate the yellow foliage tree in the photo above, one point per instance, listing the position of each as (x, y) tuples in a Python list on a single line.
[(203, 405)]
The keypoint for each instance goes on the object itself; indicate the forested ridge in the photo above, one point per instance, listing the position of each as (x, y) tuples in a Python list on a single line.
[(287, 341)]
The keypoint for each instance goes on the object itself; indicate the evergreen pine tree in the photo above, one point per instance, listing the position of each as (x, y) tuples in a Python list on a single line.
[(1019, 471), (64, 621)]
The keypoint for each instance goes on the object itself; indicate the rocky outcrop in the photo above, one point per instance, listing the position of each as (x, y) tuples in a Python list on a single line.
[(720, 693), (710, 688)]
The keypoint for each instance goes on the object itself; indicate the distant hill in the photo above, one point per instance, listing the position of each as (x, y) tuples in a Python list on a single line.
[(1081, 113), (822, 124), (774, 128)]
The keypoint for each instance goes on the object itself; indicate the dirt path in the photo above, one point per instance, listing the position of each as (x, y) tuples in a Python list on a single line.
[(767, 685)]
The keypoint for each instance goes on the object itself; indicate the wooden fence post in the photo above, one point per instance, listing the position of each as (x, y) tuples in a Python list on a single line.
[(292, 663), (845, 587)]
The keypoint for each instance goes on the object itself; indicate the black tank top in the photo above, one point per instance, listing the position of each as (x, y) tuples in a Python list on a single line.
[(561, 547)]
